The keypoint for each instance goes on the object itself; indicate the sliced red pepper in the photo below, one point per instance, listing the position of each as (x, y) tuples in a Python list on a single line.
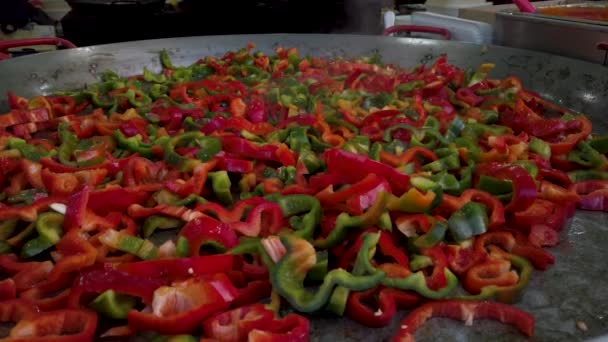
[(75, 254), (24, 274), (233, 164), (437, 278), (15, 310), (594, 195), (66, 325), (461, 259), (493, 271), (22, 116), (355, 167), (557, 194), (361, 194), (524, 188), (516, 243), (29, 212), (76, 209), (179, 268), (267, 216), (541, 212), (244, 148), (542, 235), (100, 280), (570, 141), (388, 301), (293, 328), (253, 292), (204, 229), (180, 308), (235, 325), (16, 102), (116, 199), (467, 312), (46, 300), (111, 165), (8, 289)]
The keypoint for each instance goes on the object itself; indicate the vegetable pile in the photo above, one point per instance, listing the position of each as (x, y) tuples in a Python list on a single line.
[(201, 200)]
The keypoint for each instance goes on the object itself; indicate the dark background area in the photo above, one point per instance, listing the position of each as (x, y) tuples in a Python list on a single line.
[(92, 22), (195, 17)]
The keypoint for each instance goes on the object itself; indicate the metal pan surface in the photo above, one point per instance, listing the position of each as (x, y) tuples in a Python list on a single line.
[(574, 289)]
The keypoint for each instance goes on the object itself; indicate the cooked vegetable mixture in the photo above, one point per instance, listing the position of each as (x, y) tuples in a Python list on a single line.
[(206, 201)]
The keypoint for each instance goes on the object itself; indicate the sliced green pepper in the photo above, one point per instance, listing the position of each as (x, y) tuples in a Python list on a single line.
[(149, 76), (344, 222), (220, 182), (540, 147), (134, 144), (113, 305), (470, 220), (159, 222), (298, 204), (586, 155), (287, 277), (600, 144), (50, 229), (506, 294), (494, 186), (435, 235), (27, 151), (182, 247)]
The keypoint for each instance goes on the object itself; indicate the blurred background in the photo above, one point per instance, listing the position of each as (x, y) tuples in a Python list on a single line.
[(515, 23), (89, 22)]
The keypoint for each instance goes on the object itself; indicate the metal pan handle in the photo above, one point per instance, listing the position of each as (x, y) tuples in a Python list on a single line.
[(9, 44), (417, 28)]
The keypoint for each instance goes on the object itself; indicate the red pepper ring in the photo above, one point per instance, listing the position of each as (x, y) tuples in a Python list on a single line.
[(388, 300), (66, 325), (465, 311), (491, 272), (524, 188)]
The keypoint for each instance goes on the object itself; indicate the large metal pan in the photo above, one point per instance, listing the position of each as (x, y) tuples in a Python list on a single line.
[(574, 289)]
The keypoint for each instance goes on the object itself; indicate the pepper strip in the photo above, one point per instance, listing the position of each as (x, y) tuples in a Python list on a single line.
[(389, 300), (66, 325), (296, 204), (344, 222), (524, 188), (467, 312), (101, 280), (355, 167), (288, 274), (197, 299)]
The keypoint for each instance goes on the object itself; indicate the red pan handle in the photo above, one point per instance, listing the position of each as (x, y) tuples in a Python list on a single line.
[(9, 44), (417, 28)]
